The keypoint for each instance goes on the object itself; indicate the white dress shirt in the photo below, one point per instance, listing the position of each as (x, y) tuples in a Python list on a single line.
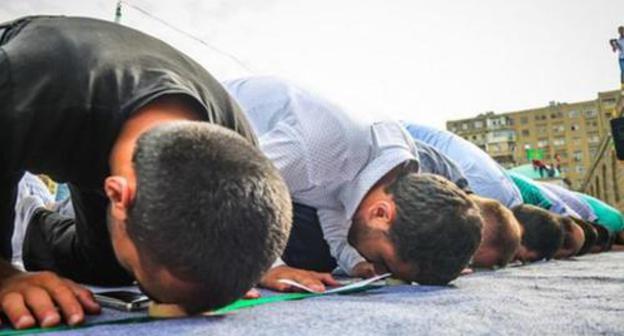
[(328, 158)]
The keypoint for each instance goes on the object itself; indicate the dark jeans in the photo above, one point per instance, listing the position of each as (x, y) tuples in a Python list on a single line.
[(307, 249), (77, 248)]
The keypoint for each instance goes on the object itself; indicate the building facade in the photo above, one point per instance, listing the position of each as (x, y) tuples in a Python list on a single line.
[(605, 176), (569, 132)]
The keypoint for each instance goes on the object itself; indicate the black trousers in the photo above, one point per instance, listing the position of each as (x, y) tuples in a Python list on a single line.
[(307, 249), (77, 248)]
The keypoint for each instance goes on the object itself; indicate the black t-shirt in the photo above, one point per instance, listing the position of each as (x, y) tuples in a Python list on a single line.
[(67, 85)]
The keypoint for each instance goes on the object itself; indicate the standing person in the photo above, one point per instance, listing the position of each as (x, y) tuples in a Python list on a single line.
[(377, 214), (556, 164), (618, 46), (539, 165), (131, 124)]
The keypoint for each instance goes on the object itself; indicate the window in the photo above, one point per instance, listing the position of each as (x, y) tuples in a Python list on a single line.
[(540, 117), (592, 123), (558, 128), (559, 141), (524, 120), (525, 132), (505, 135), (541, 130), (578, 156), (573, 114), (593, 138), (575, 127), (591, 114), (556, 115), (464, 126), (494, 148), (579, 169), (593, 150), (478, 124), (576, 141), (542, 143)]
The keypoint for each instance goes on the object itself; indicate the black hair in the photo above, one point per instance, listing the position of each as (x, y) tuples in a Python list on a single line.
[(542, 230), (604, 241), (437, 227), (590, 235), (209, 208)]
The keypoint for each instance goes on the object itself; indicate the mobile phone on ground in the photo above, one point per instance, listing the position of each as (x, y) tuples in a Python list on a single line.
[(122, 300)]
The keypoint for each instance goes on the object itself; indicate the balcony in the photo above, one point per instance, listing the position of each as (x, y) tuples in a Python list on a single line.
[(501, 136)]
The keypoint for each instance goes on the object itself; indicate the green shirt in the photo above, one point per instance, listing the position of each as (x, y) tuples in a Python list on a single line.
[(608, 216), (531, 193)]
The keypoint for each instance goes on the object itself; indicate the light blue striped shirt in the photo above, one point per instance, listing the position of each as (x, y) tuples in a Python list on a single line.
[(576, 203), (434, 162), (328, 158), (485, 176)]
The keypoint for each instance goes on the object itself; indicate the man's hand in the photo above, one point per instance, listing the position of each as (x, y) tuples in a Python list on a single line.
[(363, 269), (311, 279), (467, 271), (252, 294), (29, 299)]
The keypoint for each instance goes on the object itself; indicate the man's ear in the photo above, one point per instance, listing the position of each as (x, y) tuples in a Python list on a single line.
[(120, 196), (382, 214)]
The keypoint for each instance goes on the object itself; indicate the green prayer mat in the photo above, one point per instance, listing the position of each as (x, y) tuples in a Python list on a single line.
[(238, 305)]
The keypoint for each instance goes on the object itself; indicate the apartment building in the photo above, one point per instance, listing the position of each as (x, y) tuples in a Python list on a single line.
[(573, 131)]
